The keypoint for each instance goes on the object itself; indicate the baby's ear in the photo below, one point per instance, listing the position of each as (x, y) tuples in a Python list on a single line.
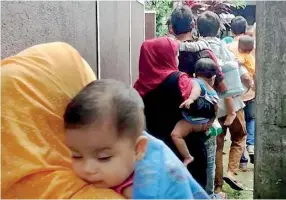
[(141, 147)]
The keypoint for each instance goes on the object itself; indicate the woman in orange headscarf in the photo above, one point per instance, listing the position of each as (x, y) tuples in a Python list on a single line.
[(37, 84)]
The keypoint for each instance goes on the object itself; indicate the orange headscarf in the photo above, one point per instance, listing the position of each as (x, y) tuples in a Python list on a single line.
[(36, 85)]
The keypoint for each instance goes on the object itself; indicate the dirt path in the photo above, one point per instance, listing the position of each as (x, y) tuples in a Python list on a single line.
[(246, 178)]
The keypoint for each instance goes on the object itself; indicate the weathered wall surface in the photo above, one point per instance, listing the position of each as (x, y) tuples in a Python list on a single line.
[(24, 24), (114, 29), (137, 36), (81, 24), (150, 25), (270, 152)]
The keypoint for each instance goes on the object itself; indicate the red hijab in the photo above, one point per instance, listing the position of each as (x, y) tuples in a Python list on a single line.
[(157, 61)]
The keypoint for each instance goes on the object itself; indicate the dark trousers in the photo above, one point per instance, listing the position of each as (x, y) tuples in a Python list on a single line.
[(197, 148)]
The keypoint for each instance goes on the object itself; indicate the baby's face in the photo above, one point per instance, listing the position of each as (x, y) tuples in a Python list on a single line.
[(100, 156)]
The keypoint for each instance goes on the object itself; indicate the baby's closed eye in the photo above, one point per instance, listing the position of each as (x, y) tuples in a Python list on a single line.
[(104, 158)]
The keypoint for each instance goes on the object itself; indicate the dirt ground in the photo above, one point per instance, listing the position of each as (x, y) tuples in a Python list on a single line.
[(246, 178)]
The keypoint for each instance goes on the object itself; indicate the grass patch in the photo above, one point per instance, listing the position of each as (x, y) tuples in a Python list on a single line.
[(233, 194)]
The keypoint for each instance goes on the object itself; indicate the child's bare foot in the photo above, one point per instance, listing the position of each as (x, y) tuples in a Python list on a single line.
[(229, 119), (188, 160)]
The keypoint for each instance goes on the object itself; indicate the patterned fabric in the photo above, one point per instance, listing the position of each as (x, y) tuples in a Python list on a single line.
[(161, 175), (203, 109)]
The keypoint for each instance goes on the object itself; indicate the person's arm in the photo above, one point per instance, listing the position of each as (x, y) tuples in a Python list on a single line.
[(247, 81), (193, 46), (195, 94)]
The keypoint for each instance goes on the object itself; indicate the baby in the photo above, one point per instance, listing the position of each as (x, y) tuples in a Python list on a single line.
[(200, 107), (245, 57), (105, 133)]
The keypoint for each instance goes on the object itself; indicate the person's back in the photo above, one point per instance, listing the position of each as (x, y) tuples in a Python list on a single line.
[(36, 88), (208, 26), (161, 116)]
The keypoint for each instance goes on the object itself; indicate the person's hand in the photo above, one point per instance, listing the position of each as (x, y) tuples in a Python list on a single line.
[(187, 103), (240, 61)]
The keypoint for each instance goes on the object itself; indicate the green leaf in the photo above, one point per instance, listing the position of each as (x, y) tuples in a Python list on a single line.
[(163, 10)]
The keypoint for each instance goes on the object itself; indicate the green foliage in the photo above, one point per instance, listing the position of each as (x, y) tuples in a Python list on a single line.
[(238, 4), (163, 10)]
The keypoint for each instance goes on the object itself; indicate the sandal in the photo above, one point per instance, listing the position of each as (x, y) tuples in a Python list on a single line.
[(234, 184)]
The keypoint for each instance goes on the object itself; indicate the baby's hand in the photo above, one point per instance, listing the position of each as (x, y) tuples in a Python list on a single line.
[(187, 103)]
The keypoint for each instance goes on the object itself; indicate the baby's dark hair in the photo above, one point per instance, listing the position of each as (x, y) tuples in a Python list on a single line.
[(105, 98), (246, 43), (205, 67)]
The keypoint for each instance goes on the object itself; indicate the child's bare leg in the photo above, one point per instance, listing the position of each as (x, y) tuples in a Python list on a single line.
[(181, 130), (231, 115)]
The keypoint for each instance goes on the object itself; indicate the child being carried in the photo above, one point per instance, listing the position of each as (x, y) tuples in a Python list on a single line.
[(199, 110)]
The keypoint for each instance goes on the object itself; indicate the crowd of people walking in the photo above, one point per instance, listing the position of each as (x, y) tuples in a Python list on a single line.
[(179, 78)]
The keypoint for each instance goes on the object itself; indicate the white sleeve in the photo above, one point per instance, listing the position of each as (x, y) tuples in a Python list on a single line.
[(193, 46), (242, 70)]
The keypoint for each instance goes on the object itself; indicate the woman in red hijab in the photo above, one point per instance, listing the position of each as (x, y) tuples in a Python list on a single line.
[(158, 60), (163, 89)]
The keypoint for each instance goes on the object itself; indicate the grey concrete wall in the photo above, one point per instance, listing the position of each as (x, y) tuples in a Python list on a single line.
[(137, 36), (114, 32), (270, 150), (150, 25), (24, 24)]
